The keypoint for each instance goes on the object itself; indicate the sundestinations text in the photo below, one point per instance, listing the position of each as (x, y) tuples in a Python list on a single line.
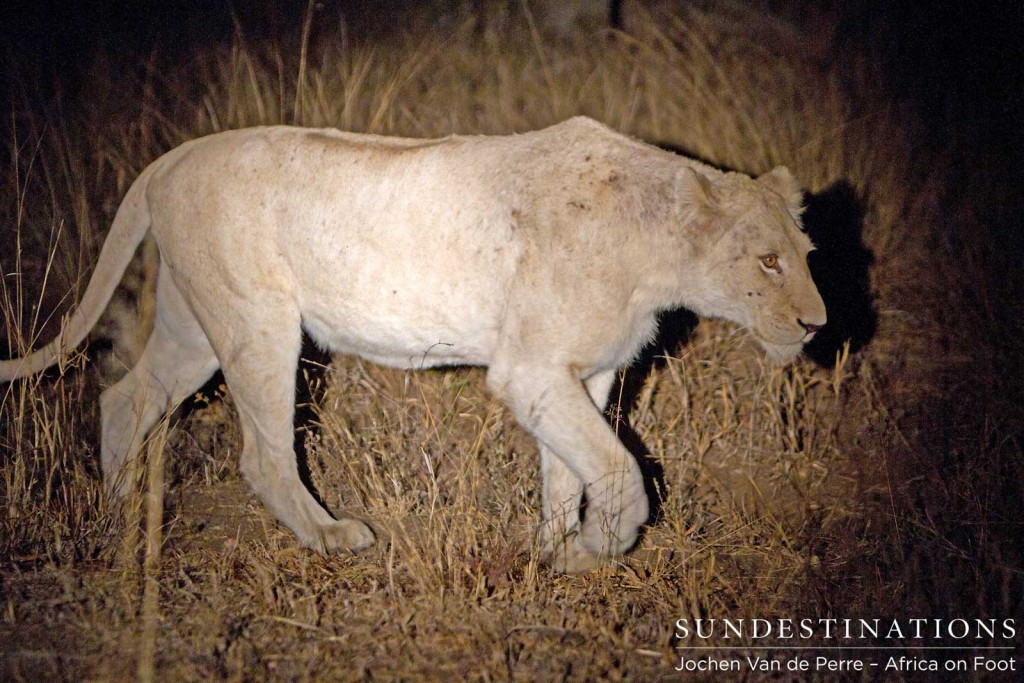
[(846, 629)]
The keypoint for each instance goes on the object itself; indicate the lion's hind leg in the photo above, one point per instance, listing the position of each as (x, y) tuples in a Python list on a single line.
[(176, 361), (261, 354)]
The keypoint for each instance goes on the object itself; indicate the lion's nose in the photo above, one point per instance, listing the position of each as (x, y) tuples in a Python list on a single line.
[(810, 327)]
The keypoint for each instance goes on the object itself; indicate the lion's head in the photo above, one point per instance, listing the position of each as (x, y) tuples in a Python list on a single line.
[(752, 255)]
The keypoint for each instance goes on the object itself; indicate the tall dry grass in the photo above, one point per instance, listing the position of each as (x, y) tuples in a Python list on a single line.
[(782, 489)]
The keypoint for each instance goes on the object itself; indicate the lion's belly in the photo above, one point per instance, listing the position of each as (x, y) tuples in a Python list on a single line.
[(404, 330), (414, 306)]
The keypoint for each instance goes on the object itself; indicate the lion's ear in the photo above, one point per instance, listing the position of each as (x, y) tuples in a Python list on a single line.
[(782, 181), (693, 187)]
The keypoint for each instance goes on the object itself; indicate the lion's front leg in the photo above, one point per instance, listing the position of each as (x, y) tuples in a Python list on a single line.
[(559, 531), (560, 540), (553, 405), (563, 494)]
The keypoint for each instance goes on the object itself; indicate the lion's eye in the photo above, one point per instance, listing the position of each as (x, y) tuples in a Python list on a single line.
[(771, 262)]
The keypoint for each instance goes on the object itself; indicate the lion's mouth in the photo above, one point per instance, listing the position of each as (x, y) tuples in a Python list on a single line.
[(782, 350), (783, 340)]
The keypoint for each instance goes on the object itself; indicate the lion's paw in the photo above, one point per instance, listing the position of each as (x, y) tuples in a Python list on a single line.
[(344, 535), (569, 557)]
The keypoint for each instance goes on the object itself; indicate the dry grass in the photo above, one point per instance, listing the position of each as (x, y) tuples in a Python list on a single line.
[(803, 491)]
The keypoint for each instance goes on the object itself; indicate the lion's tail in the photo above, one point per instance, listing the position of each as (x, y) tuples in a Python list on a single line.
[(126, 232)]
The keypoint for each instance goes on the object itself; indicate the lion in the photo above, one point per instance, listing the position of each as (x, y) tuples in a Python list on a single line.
[(545, 256)]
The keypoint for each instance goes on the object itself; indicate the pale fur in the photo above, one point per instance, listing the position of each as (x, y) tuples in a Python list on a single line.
[(544, 256)]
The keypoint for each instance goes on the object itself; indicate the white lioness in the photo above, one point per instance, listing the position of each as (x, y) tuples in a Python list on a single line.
[(545, 257)]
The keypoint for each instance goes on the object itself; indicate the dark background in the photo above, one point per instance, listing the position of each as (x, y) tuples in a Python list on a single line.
[(963, 60)]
